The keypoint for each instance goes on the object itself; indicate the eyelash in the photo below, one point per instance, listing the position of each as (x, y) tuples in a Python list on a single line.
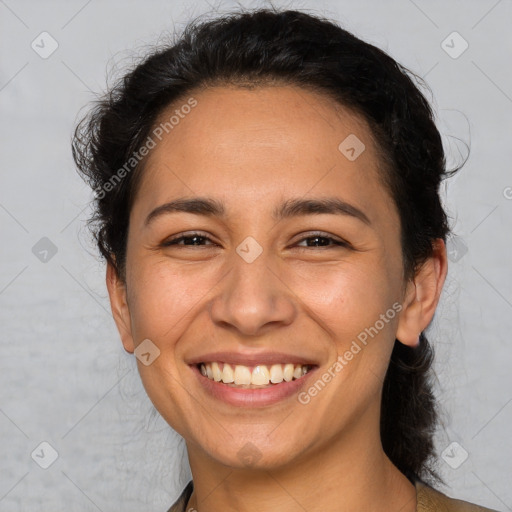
[(335, 242)]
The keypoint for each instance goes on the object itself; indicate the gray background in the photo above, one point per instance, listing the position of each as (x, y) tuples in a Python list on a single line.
[(64, 376)]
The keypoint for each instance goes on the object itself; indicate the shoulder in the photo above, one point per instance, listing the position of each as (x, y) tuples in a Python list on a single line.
[(180, 504), (431, 500)]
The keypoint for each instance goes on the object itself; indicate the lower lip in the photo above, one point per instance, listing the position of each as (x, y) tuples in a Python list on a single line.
[(243, 397)]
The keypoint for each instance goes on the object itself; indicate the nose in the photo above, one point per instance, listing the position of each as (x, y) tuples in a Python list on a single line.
[(253, 298)]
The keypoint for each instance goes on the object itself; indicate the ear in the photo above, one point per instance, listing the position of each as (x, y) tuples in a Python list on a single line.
[(422, 296), (119, 305)]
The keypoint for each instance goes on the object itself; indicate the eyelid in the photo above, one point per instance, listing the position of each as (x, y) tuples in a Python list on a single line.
[(336, 241), (340, 242), (186, 234)]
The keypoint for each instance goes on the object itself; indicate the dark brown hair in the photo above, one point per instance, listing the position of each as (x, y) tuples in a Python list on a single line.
[(265, 46)]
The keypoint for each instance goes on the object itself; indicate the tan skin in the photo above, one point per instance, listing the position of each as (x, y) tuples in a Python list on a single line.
[(251, 150)]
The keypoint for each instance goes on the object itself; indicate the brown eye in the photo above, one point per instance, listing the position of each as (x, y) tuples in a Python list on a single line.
[(322, 240), (192, 239)]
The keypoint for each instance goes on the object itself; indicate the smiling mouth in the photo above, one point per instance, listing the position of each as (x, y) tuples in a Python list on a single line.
[(253, 377)]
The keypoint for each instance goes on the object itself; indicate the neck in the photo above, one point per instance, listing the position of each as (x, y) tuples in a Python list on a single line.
[(351, 473)]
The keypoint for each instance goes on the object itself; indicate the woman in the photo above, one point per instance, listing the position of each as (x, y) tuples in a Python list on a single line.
[(267, 204)]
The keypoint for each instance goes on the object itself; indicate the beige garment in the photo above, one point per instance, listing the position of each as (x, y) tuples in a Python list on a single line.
[(430, 500), (427, 500)]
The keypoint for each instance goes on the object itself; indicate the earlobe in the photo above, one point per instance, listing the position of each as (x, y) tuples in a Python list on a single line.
[(119, 306), (422, 296)]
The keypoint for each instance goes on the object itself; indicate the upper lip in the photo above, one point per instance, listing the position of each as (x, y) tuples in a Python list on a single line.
[(251, 359)]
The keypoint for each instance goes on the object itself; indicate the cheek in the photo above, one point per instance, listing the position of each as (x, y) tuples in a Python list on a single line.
[(353, 304), (164, 297), (344, 298)]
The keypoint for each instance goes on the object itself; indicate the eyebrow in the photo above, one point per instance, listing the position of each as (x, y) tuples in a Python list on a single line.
[(290, 208)]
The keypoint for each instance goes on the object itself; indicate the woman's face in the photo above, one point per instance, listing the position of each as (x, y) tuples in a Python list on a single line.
[(267, 277)]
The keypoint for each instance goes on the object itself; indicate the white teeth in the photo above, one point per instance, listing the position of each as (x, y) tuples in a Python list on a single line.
[(227, 374), (242, 375), (217, 374), (276, 374), (288, 372), (259, 375)]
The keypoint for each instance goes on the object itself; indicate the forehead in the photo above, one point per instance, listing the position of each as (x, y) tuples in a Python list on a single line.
[(262, 143)]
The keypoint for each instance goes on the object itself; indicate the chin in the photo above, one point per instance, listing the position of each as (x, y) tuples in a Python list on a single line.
[(250, 455)]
